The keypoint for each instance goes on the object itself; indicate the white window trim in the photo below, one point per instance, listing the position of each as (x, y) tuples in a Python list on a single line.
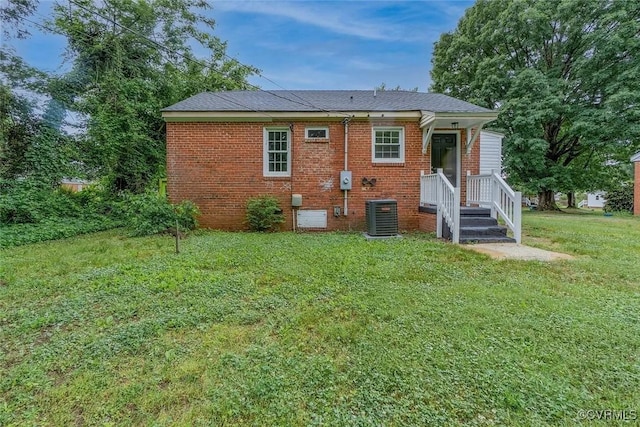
[(265, 152), (324, 128), (373, 144)]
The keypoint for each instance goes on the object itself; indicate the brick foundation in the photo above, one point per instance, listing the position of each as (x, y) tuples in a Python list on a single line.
[(428, 223)]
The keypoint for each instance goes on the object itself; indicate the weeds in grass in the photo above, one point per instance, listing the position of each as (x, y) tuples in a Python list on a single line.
[(320, 329)]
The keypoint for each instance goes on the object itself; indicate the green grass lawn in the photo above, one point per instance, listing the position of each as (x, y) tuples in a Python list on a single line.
[(321, 329)]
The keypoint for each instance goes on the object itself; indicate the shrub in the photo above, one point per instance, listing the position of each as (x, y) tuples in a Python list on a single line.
[(32, 212), (620, 199), (55, 228), (150, 213), (30, 202), (264, 213), (24, 201)]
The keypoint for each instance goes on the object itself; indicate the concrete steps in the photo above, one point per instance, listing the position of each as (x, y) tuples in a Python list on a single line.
[(476, 226)]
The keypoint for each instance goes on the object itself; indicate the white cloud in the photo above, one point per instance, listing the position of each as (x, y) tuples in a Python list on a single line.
[(347, 18), (355, 44), (364, 64)]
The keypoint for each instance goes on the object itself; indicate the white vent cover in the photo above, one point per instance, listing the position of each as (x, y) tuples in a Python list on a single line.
[(312, 218)]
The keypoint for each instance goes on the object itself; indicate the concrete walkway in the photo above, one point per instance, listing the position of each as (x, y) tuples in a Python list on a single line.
[(515, 251)]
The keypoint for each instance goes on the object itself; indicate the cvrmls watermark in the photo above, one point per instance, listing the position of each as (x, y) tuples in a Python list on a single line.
[(608, 414)]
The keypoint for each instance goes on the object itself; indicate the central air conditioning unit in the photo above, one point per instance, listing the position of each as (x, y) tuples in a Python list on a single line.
[(382, 217)]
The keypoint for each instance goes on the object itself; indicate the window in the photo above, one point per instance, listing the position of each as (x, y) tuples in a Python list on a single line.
[(388, 145), (277, 152), (316, 133)]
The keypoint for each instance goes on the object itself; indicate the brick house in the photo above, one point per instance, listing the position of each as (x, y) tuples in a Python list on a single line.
[(225, 147)]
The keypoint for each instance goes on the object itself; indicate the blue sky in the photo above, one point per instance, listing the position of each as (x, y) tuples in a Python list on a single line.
[(304, 44)]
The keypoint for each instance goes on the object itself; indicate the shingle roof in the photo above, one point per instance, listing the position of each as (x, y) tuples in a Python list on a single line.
[(324, 100)]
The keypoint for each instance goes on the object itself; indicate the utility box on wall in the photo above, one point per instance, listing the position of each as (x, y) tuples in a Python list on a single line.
[(345, 180), (312, 218)]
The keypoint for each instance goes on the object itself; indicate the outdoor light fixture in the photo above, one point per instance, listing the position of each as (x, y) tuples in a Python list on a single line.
[(454, 125)]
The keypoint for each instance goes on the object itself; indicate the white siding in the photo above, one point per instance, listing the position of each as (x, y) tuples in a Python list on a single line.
[(490, 151), (595, 200)]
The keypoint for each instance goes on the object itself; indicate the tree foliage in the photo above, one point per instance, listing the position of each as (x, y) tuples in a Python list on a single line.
[(130, 60), (33, 143), (563, 74), (17, 127), (620, 199), (12, 13), (383, 87)]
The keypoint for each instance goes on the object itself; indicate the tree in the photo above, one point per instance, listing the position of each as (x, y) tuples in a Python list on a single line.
[(563, 74), (20, 122), (383, 87), (18, 125), (130, 60), (33, 143), (12, 13)]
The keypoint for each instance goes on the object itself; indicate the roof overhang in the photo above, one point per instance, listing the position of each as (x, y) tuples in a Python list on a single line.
[(493, 133), (635, 157), (270, 116), (471, 121)]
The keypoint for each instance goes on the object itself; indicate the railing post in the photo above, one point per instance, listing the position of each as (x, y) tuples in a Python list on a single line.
[(495, 195), (469, 189), (517, 218), (422, 190), (439, 205), (455, 237)]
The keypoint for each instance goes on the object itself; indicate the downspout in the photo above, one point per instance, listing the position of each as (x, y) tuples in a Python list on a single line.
[(293, 209), (345, 209)]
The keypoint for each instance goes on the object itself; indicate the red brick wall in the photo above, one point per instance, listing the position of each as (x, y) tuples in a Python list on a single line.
[(636, 189), (219, 166), (428, 222)]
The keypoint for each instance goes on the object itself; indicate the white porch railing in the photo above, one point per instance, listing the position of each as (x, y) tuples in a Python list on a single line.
[(493, 192), (435, 189)]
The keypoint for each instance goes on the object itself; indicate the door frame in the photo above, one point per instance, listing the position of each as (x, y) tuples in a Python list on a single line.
[(458, 151)]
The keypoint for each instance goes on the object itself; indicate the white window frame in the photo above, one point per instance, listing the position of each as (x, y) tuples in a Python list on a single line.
[(324, 128), (375, 129), (265, 156)]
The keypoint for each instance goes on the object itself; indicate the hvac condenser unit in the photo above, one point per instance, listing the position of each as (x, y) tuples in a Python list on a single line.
[(382, 217)]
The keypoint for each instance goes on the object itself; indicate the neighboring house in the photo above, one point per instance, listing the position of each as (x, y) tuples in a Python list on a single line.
[(335, 149), (636, 184), (596, 200), (74, 184)]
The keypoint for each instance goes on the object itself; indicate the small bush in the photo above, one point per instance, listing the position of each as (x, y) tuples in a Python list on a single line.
[(150, 213), (24, 202), (264, 213), (620, 199)]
